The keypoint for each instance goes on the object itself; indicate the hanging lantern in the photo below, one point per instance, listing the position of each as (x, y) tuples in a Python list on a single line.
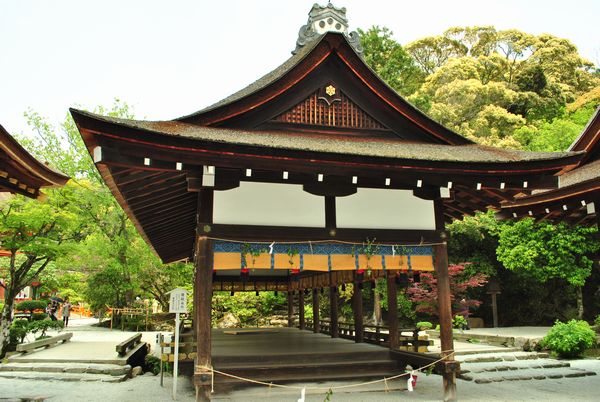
[(295, 273), (244, 274), (360, 274)]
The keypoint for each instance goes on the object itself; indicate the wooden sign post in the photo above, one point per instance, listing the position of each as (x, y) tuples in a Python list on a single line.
[(177, 304)]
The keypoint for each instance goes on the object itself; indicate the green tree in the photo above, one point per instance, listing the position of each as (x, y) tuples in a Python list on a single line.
[(113, 255), (486, 84), (35, 233), (545, 251), (390, 61), (158, 279)]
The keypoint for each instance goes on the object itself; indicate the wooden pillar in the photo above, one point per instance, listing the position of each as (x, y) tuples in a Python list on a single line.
[(315, 308), (202, 322), (203, 275), (333, 308), (357, 309), (392, 317), (440, 252), (302, 324), (290, 301)]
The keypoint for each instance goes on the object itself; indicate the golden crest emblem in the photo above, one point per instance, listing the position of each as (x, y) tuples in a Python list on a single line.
[(330, 90)]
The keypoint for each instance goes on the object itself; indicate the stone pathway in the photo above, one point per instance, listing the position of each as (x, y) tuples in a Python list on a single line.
[(484, 368), (66, 371)]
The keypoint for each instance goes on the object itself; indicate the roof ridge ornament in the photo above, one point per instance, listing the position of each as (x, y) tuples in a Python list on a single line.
[(323, 19)]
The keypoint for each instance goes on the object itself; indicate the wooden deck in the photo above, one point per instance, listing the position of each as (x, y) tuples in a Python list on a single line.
[(290, 355)]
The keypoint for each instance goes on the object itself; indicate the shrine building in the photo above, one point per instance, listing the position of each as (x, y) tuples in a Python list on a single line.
[(314, 176)]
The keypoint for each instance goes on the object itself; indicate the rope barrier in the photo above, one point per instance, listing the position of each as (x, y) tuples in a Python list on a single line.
[(420, 244), (449, 354)]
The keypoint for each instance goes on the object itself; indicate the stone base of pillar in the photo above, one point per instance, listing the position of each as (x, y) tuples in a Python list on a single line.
[(203, 383)]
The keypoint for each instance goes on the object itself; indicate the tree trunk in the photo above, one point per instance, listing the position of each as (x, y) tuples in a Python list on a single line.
[(579, 303), (5, 322)]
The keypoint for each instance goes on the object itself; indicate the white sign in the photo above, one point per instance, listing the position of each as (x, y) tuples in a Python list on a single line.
[(178, 301)]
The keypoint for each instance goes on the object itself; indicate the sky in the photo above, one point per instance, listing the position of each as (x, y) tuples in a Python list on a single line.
[(170, 58)]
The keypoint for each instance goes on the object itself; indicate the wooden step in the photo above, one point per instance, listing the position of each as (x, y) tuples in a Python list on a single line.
[(223, 384), (356, 357), (307, 372)]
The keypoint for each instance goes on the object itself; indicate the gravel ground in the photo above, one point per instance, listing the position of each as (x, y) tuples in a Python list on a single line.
[(429, 388)]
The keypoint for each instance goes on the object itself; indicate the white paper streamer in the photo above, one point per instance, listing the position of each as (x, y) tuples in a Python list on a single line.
[(302, 394), (271, 247)]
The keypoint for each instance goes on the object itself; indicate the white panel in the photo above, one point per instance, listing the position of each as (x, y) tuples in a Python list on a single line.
[(269, 204), (384, 209)]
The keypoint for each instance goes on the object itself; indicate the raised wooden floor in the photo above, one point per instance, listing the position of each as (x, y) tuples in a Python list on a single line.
[(292, 355)]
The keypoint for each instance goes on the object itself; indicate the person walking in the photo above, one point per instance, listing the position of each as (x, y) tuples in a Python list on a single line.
[(51, 310), (66, 311)]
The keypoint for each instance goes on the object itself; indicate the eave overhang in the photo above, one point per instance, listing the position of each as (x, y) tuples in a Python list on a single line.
[(151, 166), (21, 173)]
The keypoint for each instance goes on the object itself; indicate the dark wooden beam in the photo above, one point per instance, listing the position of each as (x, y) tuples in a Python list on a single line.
[(290, 310), (357, 310), (444, 304), (315, 308), (333, 312), (301, 322), (330, 214), (280, 233), (202, 323), (392, 319)]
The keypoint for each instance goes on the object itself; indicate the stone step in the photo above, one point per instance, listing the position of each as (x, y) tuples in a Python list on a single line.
[(512, 365), (75, 368), (525, 375), (499, 357), (61, 376), (486, 351)]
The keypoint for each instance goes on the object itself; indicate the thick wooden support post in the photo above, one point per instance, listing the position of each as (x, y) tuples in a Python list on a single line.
[(440, 254), (357, 309), (445, 314), (290, 301), (392, 317), (315, 308), (202, 322), (333, 308), (302, 324)]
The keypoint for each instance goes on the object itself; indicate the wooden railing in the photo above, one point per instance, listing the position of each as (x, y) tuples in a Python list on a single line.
[(129, 343), (377, 334), (127, 314), (47, 342)]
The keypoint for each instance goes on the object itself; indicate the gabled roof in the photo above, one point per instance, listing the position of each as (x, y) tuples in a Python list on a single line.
[(323, 112), (577, 198), (330, 58), (21, 173), (589, 139)]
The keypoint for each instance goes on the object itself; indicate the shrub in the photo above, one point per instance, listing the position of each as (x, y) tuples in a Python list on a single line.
[(31, 305), (597, 321), (43, 326), (152, 364), (424, 325), (459, 322), (18, 331), (569, 339), (39, 316)]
